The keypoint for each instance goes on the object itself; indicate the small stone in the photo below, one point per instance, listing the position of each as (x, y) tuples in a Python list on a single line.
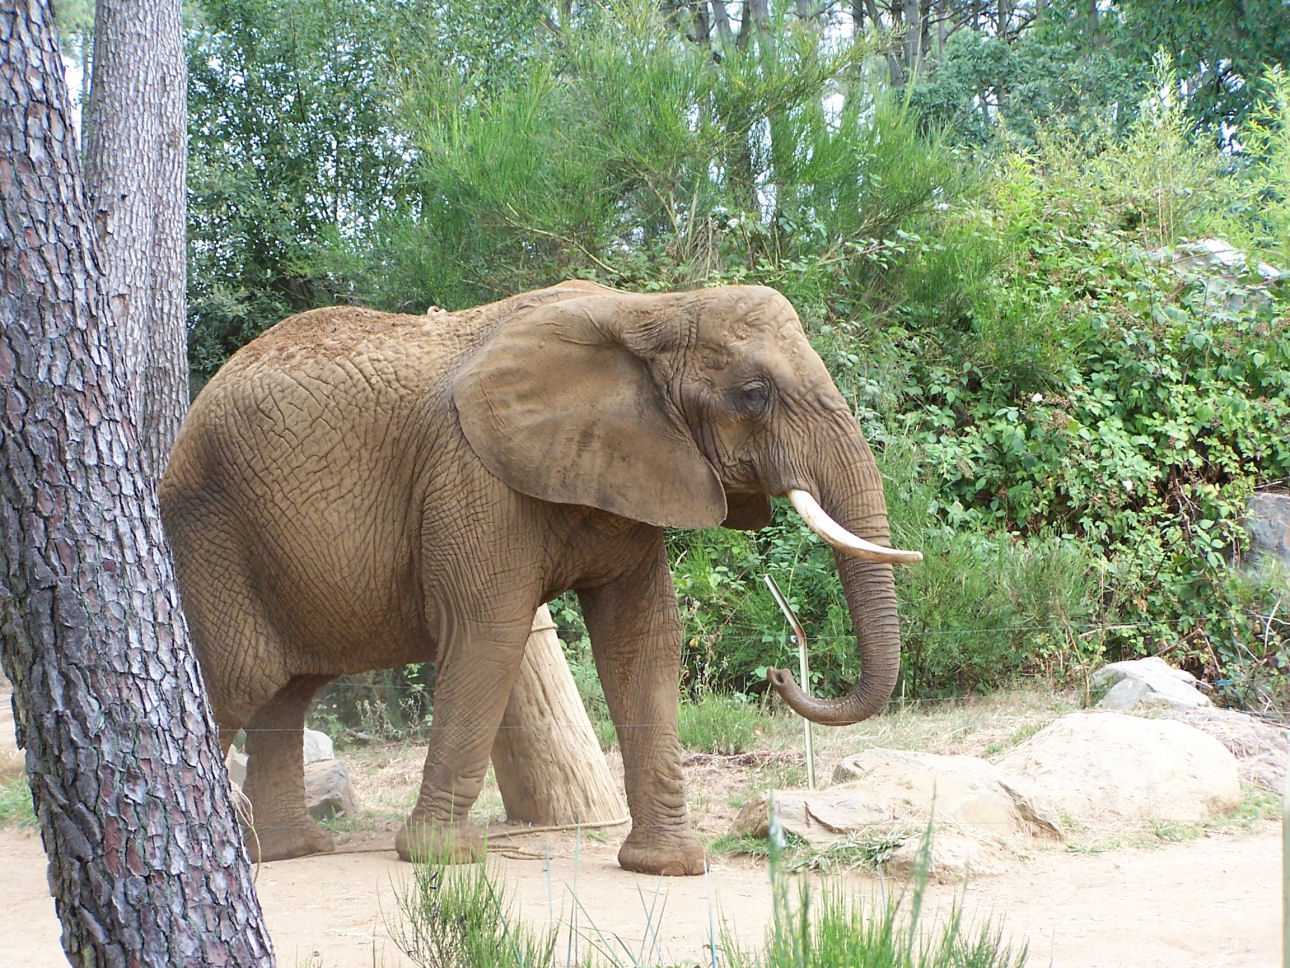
[(236, 763), (1150, 681), (318, 747), (329, 792)]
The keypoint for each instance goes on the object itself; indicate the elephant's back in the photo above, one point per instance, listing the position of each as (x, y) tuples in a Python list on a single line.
[(307, 340), (317, 388)]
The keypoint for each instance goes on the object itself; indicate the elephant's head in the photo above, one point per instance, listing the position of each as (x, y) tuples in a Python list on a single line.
[(690, 410)]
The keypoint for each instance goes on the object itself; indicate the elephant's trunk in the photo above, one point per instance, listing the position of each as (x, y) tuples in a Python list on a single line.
[(855, 523)]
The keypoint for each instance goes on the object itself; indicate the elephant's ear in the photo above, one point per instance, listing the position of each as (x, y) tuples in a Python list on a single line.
[(746, 512), (558, 406)]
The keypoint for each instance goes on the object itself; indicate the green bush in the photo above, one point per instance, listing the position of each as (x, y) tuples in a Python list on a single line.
[(832, 929), (16, 808), (724, 723), (1128, 415), (636, 157)]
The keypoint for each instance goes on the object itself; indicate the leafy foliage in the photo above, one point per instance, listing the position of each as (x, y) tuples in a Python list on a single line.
[(1066, 71), (1137, 417), (1070, 404), (291, 137), (1081, 67), (1222, 48), (636, 157)]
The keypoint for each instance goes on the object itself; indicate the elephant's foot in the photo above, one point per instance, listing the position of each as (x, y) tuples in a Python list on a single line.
[(282, 842), (669, 854), (429, 841)]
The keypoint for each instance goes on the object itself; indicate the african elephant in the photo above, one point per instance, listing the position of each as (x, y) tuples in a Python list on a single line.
[(355, 490)]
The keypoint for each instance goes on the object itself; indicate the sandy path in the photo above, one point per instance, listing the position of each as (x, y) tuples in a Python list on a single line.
[(1207, 903)]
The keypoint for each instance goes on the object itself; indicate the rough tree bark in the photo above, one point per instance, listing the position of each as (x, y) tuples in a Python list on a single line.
[(146, 865), (549, 767), (135, 153)]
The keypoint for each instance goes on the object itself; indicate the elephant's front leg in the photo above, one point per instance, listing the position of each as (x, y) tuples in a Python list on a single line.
[(635, 634), (478, 662)]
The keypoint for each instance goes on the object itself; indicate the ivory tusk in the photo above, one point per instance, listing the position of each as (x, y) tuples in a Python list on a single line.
[(818, 520)]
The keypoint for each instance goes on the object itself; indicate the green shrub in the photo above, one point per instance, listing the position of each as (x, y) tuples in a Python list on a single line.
[(382, 704), (15, 804), (456, 917), (1100, 395), (833, 929), (979, 611), (722, 723)]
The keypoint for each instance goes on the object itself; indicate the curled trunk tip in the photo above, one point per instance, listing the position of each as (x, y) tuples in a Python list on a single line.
[(825, 712)]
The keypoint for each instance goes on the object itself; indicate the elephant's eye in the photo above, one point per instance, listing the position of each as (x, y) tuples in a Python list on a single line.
[(754, 398)]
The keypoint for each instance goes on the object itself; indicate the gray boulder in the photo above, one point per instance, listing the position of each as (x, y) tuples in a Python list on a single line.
[(886, 800), (1268, 521), (318, 747), (329, 791), (1150, 681), (236, 763), (1258, 745), (962, 791), (900, 788)]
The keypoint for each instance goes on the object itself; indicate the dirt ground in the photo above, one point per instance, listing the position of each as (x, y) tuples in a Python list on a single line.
[(1210, 899), (1200, 903)]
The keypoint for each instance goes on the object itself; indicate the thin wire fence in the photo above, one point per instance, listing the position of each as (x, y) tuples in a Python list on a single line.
[(393, 692)]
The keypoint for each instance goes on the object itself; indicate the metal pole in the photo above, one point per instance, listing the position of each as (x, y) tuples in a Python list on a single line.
[(799, 636)]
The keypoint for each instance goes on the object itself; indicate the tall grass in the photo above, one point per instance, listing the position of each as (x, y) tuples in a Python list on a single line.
[(833, 929), (719, 723), (459, 917), (455, 917)]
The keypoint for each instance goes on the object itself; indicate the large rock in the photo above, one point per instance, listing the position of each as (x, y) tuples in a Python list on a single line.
[(958, 790), (1259, 746), (329, 791), (1106, 767), (236, 763), (899, 788), (1268, 521), (1150, 681)]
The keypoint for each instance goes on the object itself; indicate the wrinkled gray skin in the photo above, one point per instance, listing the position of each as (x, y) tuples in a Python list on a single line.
[(355, 490)]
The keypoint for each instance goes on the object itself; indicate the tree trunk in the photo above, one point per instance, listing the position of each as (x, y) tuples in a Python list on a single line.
[(135, 149), (548, 764), (894, 69), (913, 39), (145, 860), (721, 20)]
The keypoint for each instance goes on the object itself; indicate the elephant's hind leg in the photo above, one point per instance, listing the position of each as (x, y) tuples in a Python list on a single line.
[(275, 776)]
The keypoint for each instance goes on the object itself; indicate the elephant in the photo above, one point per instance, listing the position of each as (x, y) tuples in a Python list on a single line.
[(356, 490)]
